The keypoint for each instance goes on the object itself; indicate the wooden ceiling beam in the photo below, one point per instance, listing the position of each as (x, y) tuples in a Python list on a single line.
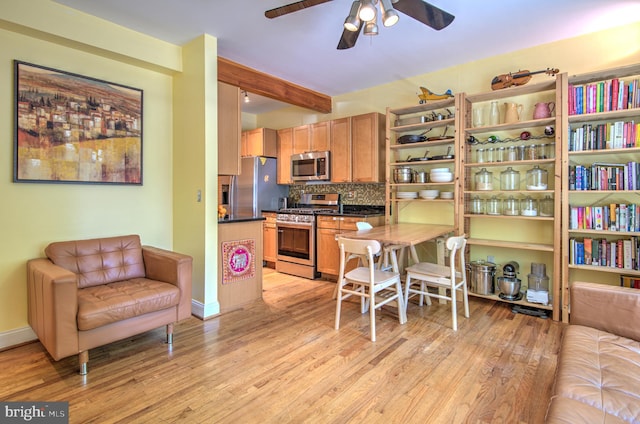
[(269, 86)]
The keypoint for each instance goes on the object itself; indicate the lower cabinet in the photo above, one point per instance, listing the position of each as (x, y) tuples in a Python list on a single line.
[(270, 237), (328, 227)]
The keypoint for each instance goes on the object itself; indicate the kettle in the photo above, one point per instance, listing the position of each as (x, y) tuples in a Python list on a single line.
[(543, 110), (512, 112)]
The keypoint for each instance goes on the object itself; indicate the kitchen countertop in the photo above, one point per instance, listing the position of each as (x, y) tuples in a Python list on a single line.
[(348, 210), (232, 220)]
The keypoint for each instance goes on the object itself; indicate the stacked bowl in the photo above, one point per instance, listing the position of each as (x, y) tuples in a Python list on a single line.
[(428, 194), (441, 175)]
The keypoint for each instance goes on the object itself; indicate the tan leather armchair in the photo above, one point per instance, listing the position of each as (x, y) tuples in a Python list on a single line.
[(89, 293)]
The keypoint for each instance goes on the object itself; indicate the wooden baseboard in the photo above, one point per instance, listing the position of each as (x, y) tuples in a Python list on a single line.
[(13, 338)]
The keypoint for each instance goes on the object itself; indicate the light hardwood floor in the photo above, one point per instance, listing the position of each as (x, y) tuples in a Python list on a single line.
[(281, 361)]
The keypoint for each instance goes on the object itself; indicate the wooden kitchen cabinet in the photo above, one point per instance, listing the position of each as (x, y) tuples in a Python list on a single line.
[(284, 152), (259, 142), (301, 139), (270, 237), (229, 129), (367, 147), (328, 227), (320, 136), (340, 135)]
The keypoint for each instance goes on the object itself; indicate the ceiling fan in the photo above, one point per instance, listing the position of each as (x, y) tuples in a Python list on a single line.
[(363, 14)]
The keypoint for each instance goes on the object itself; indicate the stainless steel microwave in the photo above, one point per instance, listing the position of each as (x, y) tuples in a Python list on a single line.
[(310, 166)]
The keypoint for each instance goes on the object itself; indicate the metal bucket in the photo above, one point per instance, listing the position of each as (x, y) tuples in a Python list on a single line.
[(481, 277)]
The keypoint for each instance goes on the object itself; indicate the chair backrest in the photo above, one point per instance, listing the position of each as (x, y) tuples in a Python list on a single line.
[(357, 249), (456, 247), (361, 225)]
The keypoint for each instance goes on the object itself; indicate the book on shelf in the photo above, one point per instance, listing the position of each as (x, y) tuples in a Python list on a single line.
[(630, 281), (603, 96), (610, 135), (622, 253)]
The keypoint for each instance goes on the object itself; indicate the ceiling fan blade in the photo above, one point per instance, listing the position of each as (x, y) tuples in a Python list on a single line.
[(424, 12), (349, 38), (293, 7)]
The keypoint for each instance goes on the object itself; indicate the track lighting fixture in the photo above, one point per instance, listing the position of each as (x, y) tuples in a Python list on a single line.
[(246, 96)]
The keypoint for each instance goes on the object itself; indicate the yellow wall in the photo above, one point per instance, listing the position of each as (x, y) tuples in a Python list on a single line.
[(32, 215)]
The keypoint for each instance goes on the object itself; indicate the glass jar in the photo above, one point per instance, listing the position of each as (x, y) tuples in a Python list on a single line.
[(484, 180), (510, 179), (477, 205), (489, 155), (512, 153), (537, 178), (511, 206), (531, 152), (551, 151), (494, 206), (542, 151), (521, 155), (529, 207), (499, 154), (546, 206), (480, 155)]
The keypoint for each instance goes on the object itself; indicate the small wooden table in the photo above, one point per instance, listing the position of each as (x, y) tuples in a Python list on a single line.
[(402, 235)]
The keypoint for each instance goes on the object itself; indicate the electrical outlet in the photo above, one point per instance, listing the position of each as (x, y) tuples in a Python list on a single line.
[(351, 195), (199, 196), (491, 259)]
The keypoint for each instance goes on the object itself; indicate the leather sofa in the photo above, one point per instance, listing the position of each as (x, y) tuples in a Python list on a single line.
[(88, 293), (598, 374)]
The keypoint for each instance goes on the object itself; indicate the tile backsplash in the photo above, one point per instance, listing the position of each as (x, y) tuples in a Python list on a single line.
[(364, 194)]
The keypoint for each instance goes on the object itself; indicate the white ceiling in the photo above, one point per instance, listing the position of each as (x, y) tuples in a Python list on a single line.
[(301, 47)]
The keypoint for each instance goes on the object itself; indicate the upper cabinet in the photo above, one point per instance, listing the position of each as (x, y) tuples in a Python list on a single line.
[(356, 146), (601, 179), (259, 142), (229, 128), (340, 130), (285, 150), (367, 148)]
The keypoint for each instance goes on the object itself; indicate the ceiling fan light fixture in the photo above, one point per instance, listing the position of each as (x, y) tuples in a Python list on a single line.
[(370, 28), (389, 16), (352, 23), (367, 10)]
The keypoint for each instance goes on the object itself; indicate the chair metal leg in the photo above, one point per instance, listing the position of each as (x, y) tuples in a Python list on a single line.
[(170, 333), (83, 358)]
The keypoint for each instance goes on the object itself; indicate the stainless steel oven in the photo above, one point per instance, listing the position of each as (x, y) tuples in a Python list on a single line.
[(296, 229), (296, 245)]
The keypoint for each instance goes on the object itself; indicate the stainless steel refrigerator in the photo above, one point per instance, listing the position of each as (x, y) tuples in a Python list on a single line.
[(256, 188)]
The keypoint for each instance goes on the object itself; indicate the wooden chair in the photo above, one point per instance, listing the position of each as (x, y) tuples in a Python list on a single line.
[(385, 262), (374, 286), (423, 274)]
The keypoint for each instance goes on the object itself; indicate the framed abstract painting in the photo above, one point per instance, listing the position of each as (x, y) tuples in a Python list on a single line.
[(71, 128)]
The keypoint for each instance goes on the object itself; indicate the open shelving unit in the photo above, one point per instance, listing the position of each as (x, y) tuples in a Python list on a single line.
[(530, 238), (572, 269), (428, 119)]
